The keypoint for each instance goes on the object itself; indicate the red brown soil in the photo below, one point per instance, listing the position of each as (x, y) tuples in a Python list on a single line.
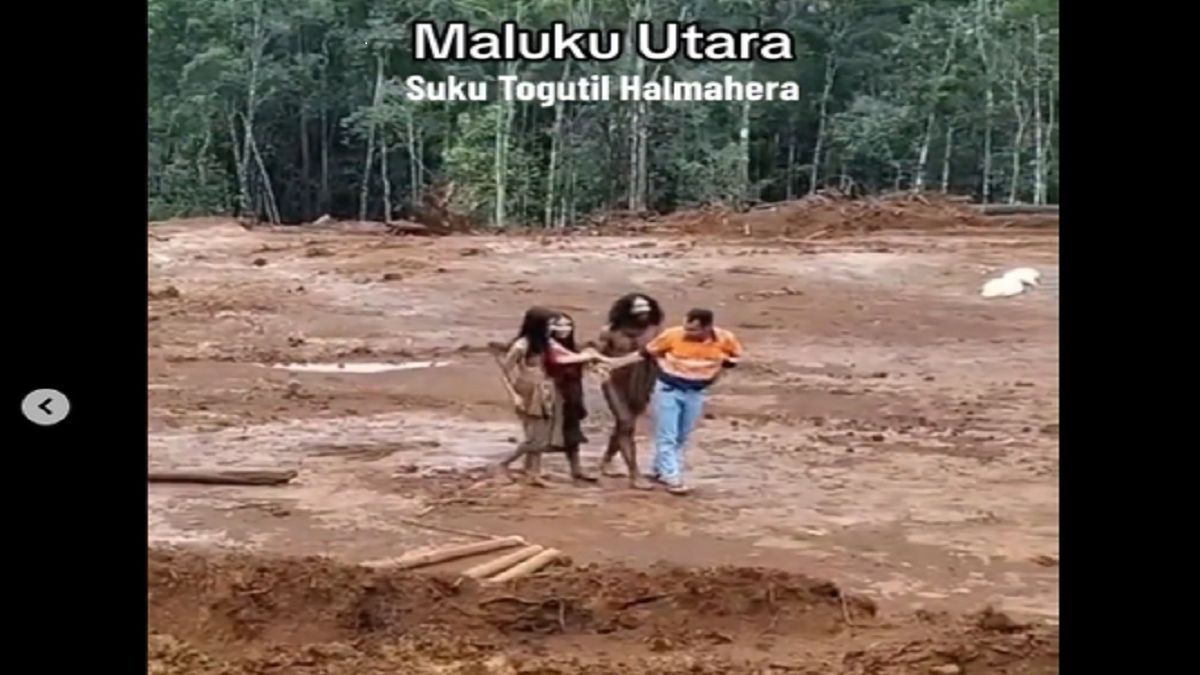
[(891, 431), (823, 216), (243, 615)]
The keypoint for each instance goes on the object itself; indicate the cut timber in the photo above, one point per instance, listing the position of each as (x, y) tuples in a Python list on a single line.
[(1018, 209), (502, 563), (223, 476), (455, 552), (530, 566)]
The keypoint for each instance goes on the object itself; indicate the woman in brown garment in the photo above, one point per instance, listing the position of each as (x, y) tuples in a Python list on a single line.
[(545, 374), (633, 321)]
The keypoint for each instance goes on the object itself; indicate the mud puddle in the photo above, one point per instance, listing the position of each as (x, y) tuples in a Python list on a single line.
[(356, 368)]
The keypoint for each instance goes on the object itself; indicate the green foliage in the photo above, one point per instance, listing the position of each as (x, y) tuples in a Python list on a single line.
[(293, 84)]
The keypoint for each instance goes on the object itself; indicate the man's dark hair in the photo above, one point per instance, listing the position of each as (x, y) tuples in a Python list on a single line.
[(620, 314), (702, 316)]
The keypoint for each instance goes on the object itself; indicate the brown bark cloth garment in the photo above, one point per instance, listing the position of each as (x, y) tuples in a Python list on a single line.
[(551, 407), (539, 399), (570, 409)]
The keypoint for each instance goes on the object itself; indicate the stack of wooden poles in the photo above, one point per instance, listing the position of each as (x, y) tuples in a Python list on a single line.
[(524, 561)]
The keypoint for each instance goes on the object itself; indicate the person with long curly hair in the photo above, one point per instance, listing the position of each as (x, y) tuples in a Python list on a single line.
[(633, 321), (545, 374)]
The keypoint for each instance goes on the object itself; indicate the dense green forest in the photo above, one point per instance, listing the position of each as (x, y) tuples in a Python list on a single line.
[(284, 110)]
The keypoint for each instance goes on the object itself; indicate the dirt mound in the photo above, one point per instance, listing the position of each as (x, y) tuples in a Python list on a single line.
[(243, 614), (823, 215)]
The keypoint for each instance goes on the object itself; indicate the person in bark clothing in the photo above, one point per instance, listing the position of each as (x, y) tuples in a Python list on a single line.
[(545, 376), (633, 321)]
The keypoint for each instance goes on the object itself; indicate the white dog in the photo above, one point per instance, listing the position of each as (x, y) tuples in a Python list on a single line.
[(1012, 283)]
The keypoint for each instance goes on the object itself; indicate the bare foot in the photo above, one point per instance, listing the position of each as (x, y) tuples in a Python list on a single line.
[(587, 478), (636, 484), (611, 472), (536, 481)]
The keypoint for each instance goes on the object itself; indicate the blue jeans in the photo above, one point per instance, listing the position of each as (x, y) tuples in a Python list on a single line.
[(676, 412)]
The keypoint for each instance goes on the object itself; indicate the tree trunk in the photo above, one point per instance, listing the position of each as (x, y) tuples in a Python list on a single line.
[(989, 100), (305, 165), (822, 120), (239, 168), (946, 155), (637, 121), (202, 156), (643, 163), (503, 123), (383, 175), (420, 161), (1049, 144), (923, 155), (1039, 149), (255, 56), (744, 195), (1019, 114), (272, 207), (927, 140), (526, 178), (414, 161), (365, 190), (791, 167), (223, 476), (555, 142), (325, 196)]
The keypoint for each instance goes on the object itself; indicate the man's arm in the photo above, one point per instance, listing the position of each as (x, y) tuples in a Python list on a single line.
[(732, 348), (657, 347)]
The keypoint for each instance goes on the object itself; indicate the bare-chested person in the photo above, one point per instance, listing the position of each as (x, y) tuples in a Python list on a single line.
[(633, 321)]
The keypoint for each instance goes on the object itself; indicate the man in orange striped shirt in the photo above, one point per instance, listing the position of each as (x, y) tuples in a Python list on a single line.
[(690, 358)]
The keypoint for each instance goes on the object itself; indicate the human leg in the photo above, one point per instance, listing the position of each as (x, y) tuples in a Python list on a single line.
[(690, 407), (616, 406), (577, 471), (537, 435), (668, 414)]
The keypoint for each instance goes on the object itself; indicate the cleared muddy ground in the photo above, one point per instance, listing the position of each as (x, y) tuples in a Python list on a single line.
[(892, 432)]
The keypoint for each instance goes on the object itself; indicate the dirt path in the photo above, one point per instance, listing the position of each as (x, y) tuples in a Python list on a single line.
[(893, 431)]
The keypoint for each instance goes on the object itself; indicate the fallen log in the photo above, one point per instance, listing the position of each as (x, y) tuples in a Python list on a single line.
[(528, 567), (224, 476), (1018, 209), (502, 563), (449, 553), (407, 227)]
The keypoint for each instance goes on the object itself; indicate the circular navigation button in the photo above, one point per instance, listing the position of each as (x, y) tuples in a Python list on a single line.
[(46, 407)]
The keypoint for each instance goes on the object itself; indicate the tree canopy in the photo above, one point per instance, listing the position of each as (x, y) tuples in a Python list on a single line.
[(284, 110)]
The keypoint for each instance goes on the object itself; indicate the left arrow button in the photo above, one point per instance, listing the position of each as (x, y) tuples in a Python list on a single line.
[(46, 407)]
